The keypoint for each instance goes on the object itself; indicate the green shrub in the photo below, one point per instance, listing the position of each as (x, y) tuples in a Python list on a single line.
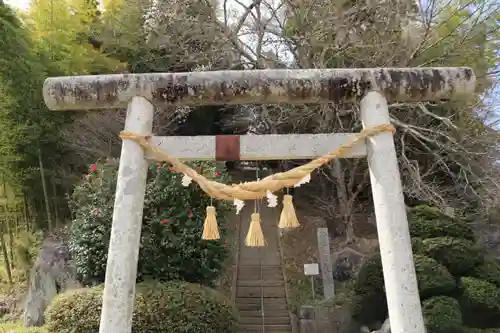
[(442, 315), (370, 277), (489, 271), (417, 245), (480, 302), (77, 309), (171, 244), (471, 330), (459, 256), (173, 307), (369, 307), (433, 278), (369, 303), (428, 222)]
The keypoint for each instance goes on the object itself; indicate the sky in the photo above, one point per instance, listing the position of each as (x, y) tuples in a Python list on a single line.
[(21, 4)]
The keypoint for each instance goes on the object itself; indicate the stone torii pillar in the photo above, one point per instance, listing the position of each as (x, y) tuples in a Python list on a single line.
[(374, 88)]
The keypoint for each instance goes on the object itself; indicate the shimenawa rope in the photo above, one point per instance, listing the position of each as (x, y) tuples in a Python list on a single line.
[(256, 189)]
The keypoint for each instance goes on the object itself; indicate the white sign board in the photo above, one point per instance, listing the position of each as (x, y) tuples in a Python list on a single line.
[(311, 269)]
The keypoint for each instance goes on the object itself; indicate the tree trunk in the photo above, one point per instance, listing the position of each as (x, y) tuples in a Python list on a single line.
[(56, 206), (10, 231), (343, 200), (5, 254), (26, 213), (45, 194)]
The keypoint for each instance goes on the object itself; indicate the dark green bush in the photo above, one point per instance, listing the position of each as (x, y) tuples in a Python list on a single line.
[(75, 311), (369, 307), (459, 256), (489, 271), (442, 315), (428, 222), (480, 302), (433, 278), (171, 244), (417, 245), (471, 330), (173, 307), (370, 277)]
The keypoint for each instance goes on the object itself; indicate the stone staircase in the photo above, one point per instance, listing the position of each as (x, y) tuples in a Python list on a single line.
[(260, 294)]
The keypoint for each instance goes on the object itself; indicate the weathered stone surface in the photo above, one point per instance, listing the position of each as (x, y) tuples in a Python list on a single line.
[(52, 273), (257, 87), (347, 264), (325, 262)]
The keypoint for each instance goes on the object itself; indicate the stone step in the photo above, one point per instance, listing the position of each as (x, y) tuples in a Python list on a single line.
[(268, 314), (254, 304), (266, 292), (267, 329), (259, 283), (254, 272), (267, 320), (255, 252), (269, 261)]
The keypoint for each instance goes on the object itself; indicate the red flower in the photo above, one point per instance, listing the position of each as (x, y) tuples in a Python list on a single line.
[(93, 168), (164, 221), (172, 169), (217, 174), (190, 214), (158, 166), (97, 212)]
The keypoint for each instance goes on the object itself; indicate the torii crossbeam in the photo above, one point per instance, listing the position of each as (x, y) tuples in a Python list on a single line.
[(373, 88)]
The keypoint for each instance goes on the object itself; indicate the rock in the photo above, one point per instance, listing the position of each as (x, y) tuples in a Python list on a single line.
[(346, 264), (51, 274)]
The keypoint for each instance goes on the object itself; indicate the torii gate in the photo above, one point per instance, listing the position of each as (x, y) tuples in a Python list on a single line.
[(140, 93)]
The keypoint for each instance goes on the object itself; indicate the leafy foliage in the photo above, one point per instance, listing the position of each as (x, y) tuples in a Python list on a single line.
[(489, 271), (433, 278), (442, 315), (470, 305), (459, 256), (369, 277), (171, 244), (428, 222), (480, 303), (176, 307)]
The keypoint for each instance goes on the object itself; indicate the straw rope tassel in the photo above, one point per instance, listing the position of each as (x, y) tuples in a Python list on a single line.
[(255, 237), (210, 227), (288, 218)]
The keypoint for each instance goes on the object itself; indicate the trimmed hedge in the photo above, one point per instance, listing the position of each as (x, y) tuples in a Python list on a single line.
[(479, 293), (369, 307), (428, 222), (417, 245), (442, 315), (480, 303), (489, 271), (173, 307), (472, 330), (459, 256), (370, 277), (433, 278)]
